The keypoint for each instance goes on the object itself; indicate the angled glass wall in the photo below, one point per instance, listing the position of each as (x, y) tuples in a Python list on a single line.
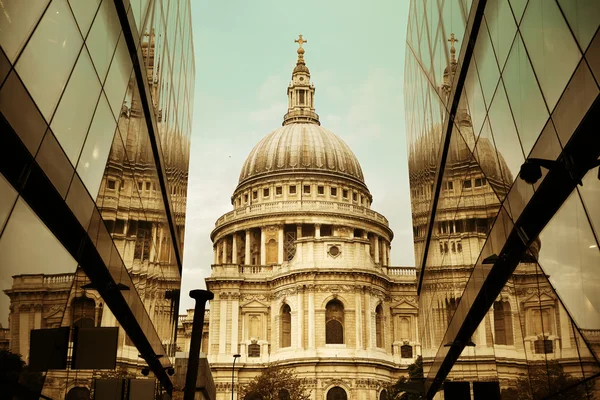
[(508, 267), (95, 108)]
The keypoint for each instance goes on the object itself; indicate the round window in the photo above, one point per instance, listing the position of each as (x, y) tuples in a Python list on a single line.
[(301, 78), (334, 251)]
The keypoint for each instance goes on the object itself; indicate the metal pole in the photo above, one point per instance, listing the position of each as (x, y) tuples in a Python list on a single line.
[(235, 357), (201, 297)]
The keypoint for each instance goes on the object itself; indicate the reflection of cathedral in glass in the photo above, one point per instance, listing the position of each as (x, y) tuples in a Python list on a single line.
[(107, 250), (540, 334)]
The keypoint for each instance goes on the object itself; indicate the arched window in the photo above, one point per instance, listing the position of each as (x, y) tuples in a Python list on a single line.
[(383, 395), (78, 393), (503, 329), (379, 326), (83, 309), (334, 323), (286, 326), (337, 393)]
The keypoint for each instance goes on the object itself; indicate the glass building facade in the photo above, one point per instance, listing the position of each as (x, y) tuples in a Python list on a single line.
[(503, 108), (96, 104)]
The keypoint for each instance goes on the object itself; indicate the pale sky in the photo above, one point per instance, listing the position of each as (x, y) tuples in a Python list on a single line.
[(245, 54)]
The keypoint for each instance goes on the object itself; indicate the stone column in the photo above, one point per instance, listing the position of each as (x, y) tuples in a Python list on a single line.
[(224, 258), (377, 261), (300, 325), (234, 250), (280, 245), (248, 260), (311, 318), (298, 231), (358, 314), (216, 253), (235, 309), (317, 231), (368, 324), (263, 246), (223, 323)]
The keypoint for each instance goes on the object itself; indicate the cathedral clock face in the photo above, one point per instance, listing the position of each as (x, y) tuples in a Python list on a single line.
[(301, 78)]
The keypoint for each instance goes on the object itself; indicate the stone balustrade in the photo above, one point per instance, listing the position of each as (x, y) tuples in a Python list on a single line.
[(233, 270), (54, 281), (274, 208)]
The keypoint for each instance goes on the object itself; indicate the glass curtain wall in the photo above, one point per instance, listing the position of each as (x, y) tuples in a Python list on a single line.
[(94, 168), (524, 89)]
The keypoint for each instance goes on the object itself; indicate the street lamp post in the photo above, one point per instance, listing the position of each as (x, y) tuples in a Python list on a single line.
[(201, 297), (235, 357)]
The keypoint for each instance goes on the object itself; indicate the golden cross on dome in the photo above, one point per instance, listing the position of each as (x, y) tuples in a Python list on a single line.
[(300, 41)]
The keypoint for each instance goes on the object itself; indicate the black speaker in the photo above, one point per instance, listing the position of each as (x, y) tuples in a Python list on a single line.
[(48, 349), (109, 389), (95, 348), (486, 390), (457, 390)]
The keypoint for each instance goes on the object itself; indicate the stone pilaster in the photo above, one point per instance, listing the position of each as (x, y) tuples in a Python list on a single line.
[(235, 309), (300, 324), (247, 250), (263, 246), (311, 318), (280, 245), (234, 249), (224, 256)]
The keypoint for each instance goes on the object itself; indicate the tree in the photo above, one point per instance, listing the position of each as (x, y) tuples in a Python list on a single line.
[(544, 379), (415, 374), (15, 376), (275, 384)]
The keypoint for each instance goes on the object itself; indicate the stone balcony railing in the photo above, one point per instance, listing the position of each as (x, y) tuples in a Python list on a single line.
[(450, 202), (407, 274), (54, 281), (300, 206)]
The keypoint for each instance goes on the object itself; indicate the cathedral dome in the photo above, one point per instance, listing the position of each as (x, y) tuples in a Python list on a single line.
[(301, 148)]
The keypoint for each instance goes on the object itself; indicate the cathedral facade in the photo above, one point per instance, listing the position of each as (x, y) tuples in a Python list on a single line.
[(301, 270)]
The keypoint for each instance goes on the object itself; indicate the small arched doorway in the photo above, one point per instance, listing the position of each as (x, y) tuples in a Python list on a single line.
[(78, 393), (337, 393)]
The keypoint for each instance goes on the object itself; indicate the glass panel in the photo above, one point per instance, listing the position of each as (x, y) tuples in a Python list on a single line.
[(8, 195), (493, 166), (526, 101), (518, 6), (21, 113), (5, 67), (55, 44), (486, 63), (102, 39), (570, 255), (583, 16), (17, 20), (590, 193), (505, 134), (19, 256), (118, 76), (574, 103), (502, 27), (84, 11), (55, 163), (548, 41), (74, 114), (593, 56), (97, 146), (474, 97)]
